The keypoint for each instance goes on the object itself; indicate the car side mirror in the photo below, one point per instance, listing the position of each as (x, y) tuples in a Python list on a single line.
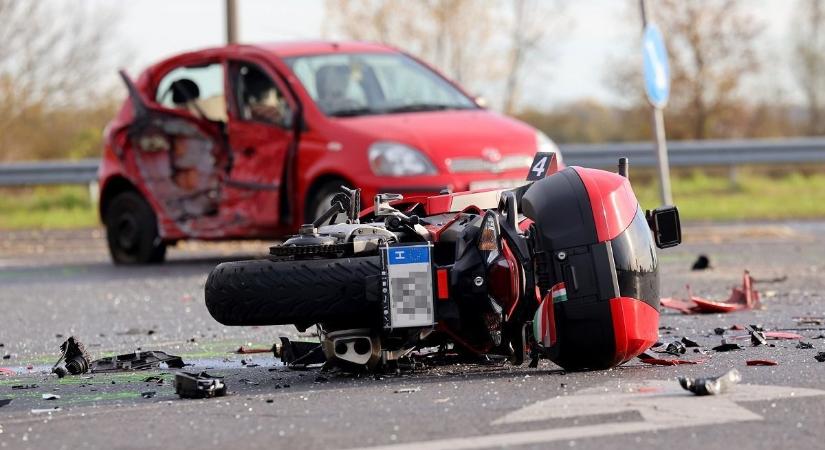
[(666, 227)]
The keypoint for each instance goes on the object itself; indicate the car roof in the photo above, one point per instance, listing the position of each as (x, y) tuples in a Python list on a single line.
[(302, 48)]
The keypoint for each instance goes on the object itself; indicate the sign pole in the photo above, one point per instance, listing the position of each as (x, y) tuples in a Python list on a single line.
[(658, 126), (231, 22)]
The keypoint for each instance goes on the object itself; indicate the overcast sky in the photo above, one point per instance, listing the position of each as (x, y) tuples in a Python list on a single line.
[(153, 29)]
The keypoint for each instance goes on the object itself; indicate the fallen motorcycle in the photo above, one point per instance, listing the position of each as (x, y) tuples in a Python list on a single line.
[(564, 268)]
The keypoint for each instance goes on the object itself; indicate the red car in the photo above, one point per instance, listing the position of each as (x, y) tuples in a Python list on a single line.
[(249, 141)]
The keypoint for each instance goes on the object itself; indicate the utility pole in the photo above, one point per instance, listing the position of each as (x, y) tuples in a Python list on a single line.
[(659, 124), (231, 22)]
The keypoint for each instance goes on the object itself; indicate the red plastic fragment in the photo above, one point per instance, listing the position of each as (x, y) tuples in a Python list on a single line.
[(782, 335), (647, 359), (8, 372), (745, 297), (246, 350), (761, 362)]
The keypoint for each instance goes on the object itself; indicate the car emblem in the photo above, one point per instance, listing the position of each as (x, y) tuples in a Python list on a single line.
[(491, 154)]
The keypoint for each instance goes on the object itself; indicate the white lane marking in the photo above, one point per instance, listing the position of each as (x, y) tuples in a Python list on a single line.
[(661, 403)]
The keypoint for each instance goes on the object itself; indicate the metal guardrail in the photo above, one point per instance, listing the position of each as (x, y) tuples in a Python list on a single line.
[(37, 173), (682, 154)]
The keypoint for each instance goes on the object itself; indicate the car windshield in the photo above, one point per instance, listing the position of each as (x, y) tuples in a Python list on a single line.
[(374, 83)]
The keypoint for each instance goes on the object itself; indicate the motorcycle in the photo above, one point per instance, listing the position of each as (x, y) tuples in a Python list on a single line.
[(563, 267)]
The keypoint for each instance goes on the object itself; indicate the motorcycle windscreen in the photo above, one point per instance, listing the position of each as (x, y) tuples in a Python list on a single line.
[(634, 257)]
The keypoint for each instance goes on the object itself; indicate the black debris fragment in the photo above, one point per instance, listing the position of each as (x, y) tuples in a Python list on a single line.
[(153, 379), (726, 347), (4, 401), (136, 361), (675, 348), (321, 379), (711, 386), (6, 356), (199, 385), (73, 360), (299, 354), (719, 331), (25, 386), (757, 335), (701, 263), (148, 394), (804, 345), (820, 357), (269, 400), (689, 342)]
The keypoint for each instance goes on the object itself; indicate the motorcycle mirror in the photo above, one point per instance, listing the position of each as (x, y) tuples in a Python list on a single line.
[(666, 227), (489, 242)]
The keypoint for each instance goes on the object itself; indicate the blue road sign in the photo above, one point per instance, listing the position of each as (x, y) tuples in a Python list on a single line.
[(656, 68)]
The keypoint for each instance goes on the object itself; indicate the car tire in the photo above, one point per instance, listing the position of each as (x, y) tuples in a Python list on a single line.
[(319, 200), (132, 231), (301, 292)]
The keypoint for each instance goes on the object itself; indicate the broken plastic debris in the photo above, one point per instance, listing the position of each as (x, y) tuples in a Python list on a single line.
[(407, 390), (675, 348), (299, 354), (761, 362), (148, 394), (73, 360), (804, 345), (5, 401), (711, 386), (701, 263), (690, 343), (50, 397), (24, 386), (740, 298), (7, 372), (757, 336), (809, 320), (136, 361), (199, 385), (647, 359), (820, 357), (726, 347), (46, 410)]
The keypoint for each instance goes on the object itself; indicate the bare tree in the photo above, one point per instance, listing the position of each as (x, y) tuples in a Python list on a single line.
[(532, 21), (52, 56), (809, 60), (712, 47)]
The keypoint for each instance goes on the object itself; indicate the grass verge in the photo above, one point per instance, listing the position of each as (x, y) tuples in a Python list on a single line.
[(700, 197)]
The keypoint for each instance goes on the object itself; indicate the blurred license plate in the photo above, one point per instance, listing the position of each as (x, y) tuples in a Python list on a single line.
[(407, 286), (496, 184)]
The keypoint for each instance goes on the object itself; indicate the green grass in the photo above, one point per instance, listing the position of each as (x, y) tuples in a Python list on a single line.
[(714, 198), (47, 207), (699, 196)]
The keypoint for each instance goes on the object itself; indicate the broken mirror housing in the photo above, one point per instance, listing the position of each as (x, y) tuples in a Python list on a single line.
[(199, 385), (666, 226)]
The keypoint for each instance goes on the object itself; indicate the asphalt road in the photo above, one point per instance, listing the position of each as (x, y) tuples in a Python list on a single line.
[(57, 284)]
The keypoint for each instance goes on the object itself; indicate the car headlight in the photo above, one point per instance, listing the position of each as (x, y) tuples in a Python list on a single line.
[(397, 160), (545, 144)]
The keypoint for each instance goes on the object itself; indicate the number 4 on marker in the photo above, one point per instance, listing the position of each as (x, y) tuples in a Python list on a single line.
[(541, 163)]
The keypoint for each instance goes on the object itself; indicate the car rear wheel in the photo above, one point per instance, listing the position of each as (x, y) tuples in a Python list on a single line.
[(132, 231)]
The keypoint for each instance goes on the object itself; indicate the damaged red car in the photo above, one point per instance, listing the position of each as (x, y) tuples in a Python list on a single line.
[(250, 141)]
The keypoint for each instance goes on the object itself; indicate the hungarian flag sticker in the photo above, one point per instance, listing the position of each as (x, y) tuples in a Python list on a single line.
[(558, 292)]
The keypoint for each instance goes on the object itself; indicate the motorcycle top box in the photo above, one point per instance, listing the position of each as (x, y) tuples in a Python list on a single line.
[(563, 268)]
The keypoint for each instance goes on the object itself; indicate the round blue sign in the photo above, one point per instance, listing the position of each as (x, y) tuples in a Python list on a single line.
[(656, 68)]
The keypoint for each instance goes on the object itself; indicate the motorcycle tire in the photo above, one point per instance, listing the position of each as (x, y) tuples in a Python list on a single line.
[(302, 292)]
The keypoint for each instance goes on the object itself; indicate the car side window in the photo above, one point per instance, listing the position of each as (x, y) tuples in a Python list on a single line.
[(196, 89), (259, 98)]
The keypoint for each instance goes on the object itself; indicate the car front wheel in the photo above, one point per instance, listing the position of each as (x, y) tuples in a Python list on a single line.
[(132, 231)]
